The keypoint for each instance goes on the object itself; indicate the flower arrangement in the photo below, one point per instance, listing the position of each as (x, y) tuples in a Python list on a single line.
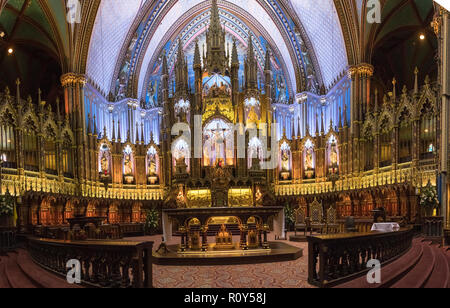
[(151, 221), (429, 198)]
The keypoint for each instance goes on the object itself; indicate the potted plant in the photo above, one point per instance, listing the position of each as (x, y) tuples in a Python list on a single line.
[(151, 222), (429, 199), (289, 216), (6, 211)]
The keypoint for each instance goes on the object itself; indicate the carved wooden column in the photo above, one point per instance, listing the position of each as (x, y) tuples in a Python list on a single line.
[(441, 25), (395, 147), (377, 151), (73, 85), (204, 230)]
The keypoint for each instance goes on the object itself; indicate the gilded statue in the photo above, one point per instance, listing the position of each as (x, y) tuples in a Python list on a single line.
[(252, 116), (152, 166), (309, 159), (104, 164), (285, 162), (128, 165), (333, 156)]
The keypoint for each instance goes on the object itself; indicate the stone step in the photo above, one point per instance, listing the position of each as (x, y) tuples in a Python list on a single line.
[(420, 274), (39, 275), (16, 277), (4, 283), (391, 272), (441, 273)]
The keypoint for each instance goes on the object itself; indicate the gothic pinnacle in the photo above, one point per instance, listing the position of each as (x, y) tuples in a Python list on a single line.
[(250, 53), (235, 58), (268, 66), (180, 55), (165, 69), (197, 59)]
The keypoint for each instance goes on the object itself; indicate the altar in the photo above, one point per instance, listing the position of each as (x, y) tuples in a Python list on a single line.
[(249, 239)]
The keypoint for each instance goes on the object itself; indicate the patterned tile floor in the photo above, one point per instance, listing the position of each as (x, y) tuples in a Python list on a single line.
[(292, 274)]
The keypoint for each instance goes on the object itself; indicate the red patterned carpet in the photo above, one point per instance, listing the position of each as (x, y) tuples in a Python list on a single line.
[(293, 274)]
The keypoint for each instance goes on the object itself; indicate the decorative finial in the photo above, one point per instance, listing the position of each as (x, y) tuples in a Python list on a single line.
[(416, 81)]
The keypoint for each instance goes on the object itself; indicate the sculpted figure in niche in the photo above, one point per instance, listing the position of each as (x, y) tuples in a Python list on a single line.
[(309, 159), (104, 164), (152, 165), (128, 165), (285, 162)]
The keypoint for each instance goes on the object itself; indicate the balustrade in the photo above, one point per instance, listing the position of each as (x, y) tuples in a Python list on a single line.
[(334, 259), (7, 238), (433, 227), (103, 264)]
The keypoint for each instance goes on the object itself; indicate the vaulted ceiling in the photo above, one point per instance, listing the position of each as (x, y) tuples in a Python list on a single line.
[(293, 29), (395, 48), (310, 37), (36, 32)]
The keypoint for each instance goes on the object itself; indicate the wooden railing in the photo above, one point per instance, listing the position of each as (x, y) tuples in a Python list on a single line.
[(103, 264), (433, 227), (7, 239), (334, 259), (135, 229), (362, 225)]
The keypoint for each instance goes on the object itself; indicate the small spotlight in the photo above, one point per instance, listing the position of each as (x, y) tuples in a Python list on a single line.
[(10, 51), (2, 34), (422, 37)]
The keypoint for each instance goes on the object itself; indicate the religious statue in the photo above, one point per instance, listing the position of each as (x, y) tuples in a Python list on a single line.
[(333, 155), (258, 197), (309, 159), (104, 164), (128, 165), (252, 116), (152, 175), (152, 165), (181, 201), (285, 162), (281, 85), (285, 165)]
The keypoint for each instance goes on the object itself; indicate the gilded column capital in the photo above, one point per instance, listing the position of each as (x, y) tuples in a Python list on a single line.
[(73, 79), (440, 13), (365, 69), (352, 71)]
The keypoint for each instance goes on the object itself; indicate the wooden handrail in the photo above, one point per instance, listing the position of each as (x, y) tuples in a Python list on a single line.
[(334, 259), (104, 264)]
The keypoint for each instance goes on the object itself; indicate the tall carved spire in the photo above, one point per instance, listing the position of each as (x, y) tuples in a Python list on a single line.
[(416, 81), (165, 69), (216, 60), (268, 75), (215, 18), (137, 133), (89, 124), (119, 130), (197, 58), (234, 56), (181, 71), (268, 65), (113, 130), (251, 67)]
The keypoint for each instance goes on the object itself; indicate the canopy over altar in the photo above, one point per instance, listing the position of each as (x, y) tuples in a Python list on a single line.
[(183, 216)]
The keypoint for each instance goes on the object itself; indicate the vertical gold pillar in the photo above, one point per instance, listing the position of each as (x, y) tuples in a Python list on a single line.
[(73, 85)]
